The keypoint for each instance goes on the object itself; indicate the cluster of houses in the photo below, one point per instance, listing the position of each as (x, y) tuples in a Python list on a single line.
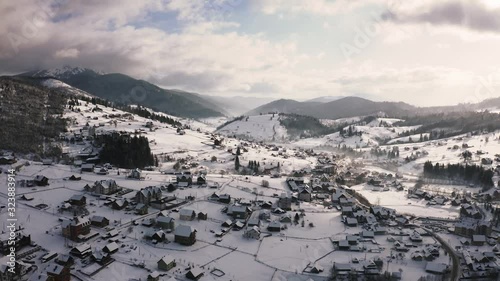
[(469, 227), (432, 199), (38, 180), (103, 187), (480, 265)]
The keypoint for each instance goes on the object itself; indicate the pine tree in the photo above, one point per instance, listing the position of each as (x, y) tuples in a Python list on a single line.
[(237, 163)]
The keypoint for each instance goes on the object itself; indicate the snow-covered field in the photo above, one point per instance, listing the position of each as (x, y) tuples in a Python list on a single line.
[(264, 127)]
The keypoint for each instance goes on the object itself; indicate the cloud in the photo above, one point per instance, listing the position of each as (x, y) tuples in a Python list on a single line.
[(106, 37), (67, 53), (201, 46), (317, 7), (473, 15)]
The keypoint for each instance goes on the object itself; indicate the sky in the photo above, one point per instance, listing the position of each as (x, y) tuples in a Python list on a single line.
[(421, 52)]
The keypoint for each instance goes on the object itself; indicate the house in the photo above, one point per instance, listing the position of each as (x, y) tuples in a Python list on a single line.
[(352, 239), (486, 161), (274, 226), (99, 221), (41, 180), (225, 198), (344, 245), (75, 227), (135, 174), (171, 187), (238, 211), (436, 268), (254, 221), (185, 235), (417, 256), (87, 167), (252, 233), (227, 223), (194, 273), (346, 202), (187, 214), (56, 272), (315, 268), (266, 205), (78, 200), (27, 197), (101, 258), (166, 263), (342, 268), (74, 178), (165, 222), (285, 202), (337, 196), (347, 211), (104, 187), (286, 218), (478, 240), (110, 248), (238, 225), (158, 236), (469, 226), (65, 260), (148, 194), (305, 194), (153, 276), (368, 234), (119, 204), (167, 202), (81, 251), (141, 209), (352, 222), (415, 237), (202, 216), (164, 213), (102, 171), (7, 160), (201, 180), (184, 178), (20, 240)]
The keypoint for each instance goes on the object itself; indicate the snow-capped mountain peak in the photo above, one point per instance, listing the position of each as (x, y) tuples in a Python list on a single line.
[(65, 72)]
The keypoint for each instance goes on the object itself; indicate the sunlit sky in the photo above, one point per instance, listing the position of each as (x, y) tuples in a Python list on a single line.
[(422, 52)]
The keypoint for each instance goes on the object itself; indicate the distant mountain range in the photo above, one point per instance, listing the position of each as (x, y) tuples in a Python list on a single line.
[(124, 89), (356, 106), (339, 108), (325, 99), (238, 105)]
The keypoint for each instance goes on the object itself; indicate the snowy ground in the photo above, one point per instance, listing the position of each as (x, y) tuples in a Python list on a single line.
[(264, 127), (277, 256)]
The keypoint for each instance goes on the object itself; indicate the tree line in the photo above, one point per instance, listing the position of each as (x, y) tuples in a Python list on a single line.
[(127, 151), (470, 173)]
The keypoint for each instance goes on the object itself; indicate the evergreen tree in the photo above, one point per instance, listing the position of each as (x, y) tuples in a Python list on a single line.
[(237, 163)]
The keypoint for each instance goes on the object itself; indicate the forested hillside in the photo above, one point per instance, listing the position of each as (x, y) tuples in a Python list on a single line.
[(30, 117)]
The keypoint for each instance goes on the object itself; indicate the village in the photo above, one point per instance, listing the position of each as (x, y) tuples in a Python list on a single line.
[(284, 213)]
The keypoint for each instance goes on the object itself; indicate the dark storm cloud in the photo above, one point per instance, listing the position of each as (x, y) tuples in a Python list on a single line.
[(468, 14)]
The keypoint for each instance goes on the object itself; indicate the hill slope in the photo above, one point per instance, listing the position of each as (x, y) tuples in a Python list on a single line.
[(30, 116), (124, 89)]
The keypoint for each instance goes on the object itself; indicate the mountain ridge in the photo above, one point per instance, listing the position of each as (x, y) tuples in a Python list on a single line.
[(123, 89)]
